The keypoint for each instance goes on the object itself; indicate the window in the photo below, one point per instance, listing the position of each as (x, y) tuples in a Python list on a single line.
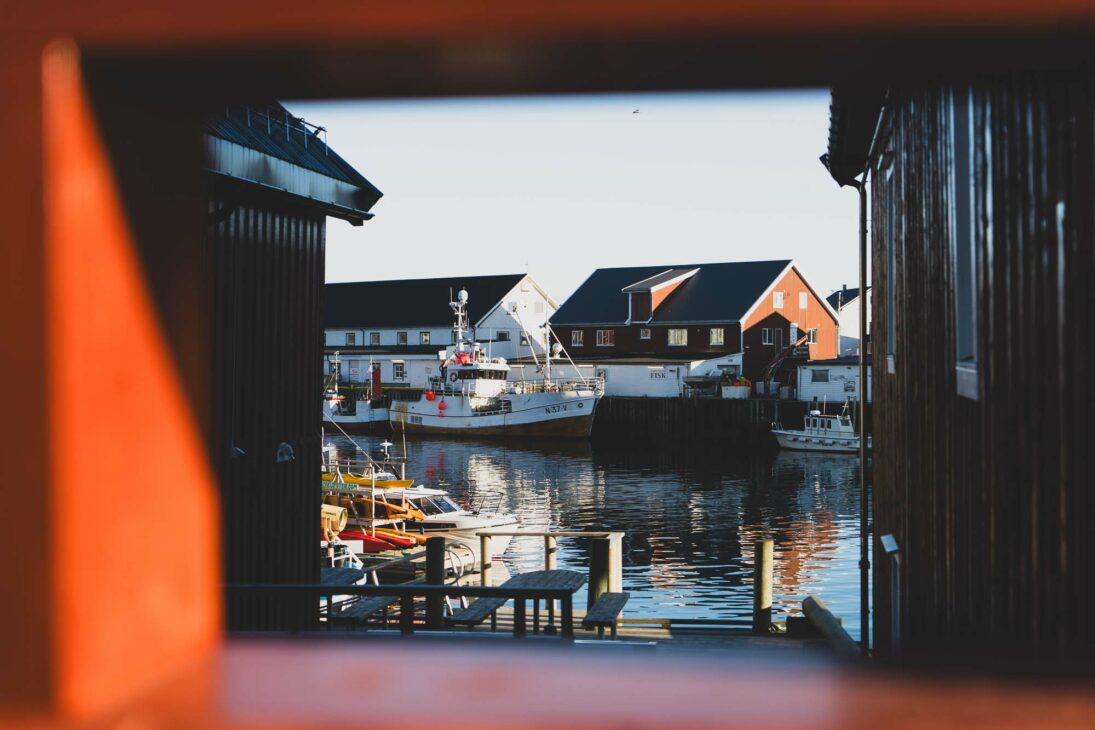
[(819, 376), (606, 338), (963, 242), (644, 333), (766, 336), (812, 332), (777, 300), (524, 340), (678, 337), (717, 336), (802, 300), (374, 338), (513, 306), (400, 338), (399, 370), (538, 307), (502, 336), (423, 338), (794, 332), (351, 338), (576, 338)]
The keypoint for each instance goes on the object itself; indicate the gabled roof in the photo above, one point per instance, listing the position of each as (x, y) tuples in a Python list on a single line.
[(241, 140), (411, 302), (721, 292), (842, 297)]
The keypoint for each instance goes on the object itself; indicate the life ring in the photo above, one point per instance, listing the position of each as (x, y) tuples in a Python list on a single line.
[(453, 377)]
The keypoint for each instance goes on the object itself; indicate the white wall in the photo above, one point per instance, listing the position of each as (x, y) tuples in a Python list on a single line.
[(843, 384), (636, 380), (848, 320), (533, 311), (418, 368)]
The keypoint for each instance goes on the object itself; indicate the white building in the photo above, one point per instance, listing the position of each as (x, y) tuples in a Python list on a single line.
[(400, 326), (639, 377), (832, 381), (846, 303)]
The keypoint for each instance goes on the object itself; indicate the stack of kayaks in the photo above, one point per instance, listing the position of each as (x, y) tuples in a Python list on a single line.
[(377, 543)]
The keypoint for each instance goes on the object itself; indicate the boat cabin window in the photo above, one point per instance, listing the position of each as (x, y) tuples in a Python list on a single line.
[(845, 421), (437, 505)]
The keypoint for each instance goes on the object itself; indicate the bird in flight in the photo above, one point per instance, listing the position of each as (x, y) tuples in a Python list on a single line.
[(635, 112)]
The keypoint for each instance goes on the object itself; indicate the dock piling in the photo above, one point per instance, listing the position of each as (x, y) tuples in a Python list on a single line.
[(435, 575), (484, 560), (598, 569), (762, 587)]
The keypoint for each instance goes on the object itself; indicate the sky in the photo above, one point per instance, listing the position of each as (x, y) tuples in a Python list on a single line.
[(560, 186)]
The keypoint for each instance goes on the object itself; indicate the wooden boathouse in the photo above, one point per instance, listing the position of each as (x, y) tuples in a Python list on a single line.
[(981, 199)]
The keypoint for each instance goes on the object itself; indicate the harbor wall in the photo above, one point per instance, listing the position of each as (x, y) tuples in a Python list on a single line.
[(736, 424)]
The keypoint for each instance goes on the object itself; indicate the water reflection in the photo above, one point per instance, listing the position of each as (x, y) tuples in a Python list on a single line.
[(689, 517)]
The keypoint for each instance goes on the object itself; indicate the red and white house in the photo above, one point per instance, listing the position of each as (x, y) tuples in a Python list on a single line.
[(698, 312)]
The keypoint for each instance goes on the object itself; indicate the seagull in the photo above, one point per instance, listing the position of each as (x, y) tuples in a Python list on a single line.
[(635, 112)]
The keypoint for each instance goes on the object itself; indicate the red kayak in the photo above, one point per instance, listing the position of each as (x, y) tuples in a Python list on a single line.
[(379, 543)]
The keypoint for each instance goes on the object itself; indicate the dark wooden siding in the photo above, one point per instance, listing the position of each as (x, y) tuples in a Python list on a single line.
[(268, 263), (628, 341), (990, 498)]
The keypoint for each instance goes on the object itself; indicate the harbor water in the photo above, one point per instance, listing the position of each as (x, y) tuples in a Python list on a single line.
[(690, 518)]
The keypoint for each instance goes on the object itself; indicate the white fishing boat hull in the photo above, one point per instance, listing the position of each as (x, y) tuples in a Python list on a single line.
[(561, 414), (802, 441), (365, 416)]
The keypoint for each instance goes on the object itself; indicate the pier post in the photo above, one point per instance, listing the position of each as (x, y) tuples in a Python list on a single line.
[(598, 569), (484, 560), (435, 575), (550, 548), (762, 586)]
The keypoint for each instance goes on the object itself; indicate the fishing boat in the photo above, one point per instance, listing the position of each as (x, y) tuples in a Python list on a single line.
[(473, 395), (363, 410), (821, 432)]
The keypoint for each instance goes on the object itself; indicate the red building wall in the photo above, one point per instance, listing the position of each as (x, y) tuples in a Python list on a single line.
[(815, 315)]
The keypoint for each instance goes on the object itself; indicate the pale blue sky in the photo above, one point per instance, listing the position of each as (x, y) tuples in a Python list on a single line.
[(564, 185)]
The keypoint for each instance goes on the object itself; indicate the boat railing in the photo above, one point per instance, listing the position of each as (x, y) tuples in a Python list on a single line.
[(556, 385)]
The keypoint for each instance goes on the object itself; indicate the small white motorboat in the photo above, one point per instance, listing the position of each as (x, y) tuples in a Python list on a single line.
[(821, 433)]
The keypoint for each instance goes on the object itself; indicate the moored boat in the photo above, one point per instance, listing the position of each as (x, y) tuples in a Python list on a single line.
[(820, 432), (474, 397)]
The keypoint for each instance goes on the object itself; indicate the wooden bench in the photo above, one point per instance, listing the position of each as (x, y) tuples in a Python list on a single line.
[(605, 612), (478, 612), (363, 609)]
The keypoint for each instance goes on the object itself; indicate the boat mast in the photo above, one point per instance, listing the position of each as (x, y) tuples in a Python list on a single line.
[(459, 308)]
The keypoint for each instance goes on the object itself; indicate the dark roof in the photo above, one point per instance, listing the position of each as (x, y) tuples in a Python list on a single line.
[(411, 302), (853, 116), (842, 296), (716, 293), (656, 280), (843, 360), (247, 126)]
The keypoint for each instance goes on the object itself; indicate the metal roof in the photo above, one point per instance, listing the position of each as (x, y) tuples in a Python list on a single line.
[(720, 292), (411, 302), (853, 116), (241, 140)]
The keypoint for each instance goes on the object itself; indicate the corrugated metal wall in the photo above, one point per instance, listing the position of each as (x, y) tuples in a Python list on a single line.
[(268, 263), (990, 499)]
